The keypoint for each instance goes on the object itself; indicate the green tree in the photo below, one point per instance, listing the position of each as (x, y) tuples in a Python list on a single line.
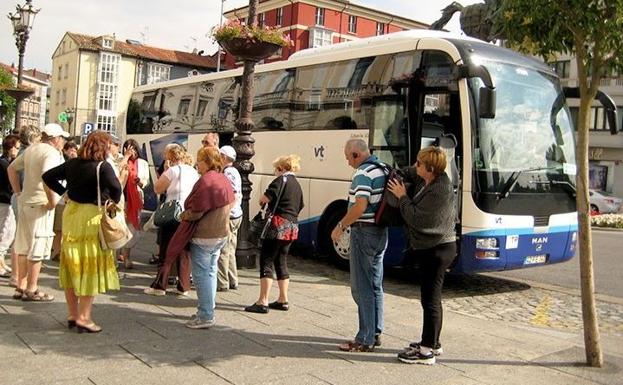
[(592, 31), (6, 80)]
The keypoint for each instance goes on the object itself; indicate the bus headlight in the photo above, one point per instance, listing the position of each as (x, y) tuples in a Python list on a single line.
[(486, 243), (486, 254)]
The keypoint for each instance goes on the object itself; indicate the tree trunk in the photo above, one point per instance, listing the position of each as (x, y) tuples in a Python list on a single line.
[(592, 343)]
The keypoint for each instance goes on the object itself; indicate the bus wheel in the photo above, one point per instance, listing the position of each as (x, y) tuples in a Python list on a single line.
[(339, 251)]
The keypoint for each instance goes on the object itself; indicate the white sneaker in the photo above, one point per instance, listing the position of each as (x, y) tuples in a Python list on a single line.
[(181, 294), (198, 323), (156, 292)]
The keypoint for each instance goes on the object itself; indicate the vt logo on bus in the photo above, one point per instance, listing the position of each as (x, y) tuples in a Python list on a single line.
[(319, 152)]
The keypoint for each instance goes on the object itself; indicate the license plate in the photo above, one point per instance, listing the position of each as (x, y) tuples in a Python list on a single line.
[(534, 259)]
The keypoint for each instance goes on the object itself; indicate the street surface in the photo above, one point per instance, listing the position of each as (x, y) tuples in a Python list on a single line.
[(496, 331)]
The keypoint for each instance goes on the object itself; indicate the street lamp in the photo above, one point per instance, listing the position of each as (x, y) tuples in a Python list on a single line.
[(22, 21), (218, 54)]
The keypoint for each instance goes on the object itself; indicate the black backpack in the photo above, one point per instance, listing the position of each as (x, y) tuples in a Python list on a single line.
[(388, 213)]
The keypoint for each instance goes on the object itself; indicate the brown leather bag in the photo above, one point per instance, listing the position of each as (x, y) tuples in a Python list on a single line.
[(113, 231)]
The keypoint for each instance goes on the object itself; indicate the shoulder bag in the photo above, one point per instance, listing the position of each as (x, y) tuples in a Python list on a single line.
[(169, 213), (260, 226), (113, 231)]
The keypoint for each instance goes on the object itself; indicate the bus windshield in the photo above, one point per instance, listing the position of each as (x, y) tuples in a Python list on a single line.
[(528, 148)]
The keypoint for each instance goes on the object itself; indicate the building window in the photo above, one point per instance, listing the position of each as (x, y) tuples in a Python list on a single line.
[(562, 68), (107, 43), (107, 85), (63, 47), (64, 96), (380, 29), (352, 24), (261, 19), (58, 97), (107, 123), (158, 73), (59, 72), (319, 16), (319, 37), (66, 70), (279, 16)]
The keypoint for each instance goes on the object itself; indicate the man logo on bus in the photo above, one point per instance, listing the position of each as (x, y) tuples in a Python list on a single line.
[(539, 240), (319, 152)]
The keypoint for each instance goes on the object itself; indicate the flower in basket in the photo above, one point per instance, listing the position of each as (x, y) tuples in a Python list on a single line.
[(253, 34)]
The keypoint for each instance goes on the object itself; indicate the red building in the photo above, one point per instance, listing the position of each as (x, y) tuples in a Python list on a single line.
[(315, 23)]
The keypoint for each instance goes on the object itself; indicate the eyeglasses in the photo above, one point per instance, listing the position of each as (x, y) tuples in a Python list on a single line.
[(205, 142)]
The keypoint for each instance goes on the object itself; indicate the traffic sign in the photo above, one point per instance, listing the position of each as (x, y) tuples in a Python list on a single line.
[(87, 128), (63, 117)]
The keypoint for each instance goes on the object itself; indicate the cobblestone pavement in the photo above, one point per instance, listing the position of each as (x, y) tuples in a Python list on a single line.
[(492, 298)]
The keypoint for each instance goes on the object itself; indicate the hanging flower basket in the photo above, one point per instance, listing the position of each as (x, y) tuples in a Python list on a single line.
[(250, 42), (249, 49)]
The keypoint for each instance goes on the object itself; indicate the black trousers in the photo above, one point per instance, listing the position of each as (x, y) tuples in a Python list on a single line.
[(274, 254), (433, 265)]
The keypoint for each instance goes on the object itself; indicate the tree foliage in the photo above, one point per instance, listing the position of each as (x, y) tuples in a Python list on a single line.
[(592, 32), (6, 80)]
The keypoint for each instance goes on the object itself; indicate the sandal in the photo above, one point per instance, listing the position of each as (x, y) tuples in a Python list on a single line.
[(355, 347), (37, 296), (279, 305), (257, 308), (5, 273), (18, 294), (90, 328)]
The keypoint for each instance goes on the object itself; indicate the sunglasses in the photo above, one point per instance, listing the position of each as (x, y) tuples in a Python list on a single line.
[(205, 142)]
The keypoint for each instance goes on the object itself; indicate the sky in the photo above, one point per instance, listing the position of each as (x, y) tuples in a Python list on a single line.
[(181, 24)]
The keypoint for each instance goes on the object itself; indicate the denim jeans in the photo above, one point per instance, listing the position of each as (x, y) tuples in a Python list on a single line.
[(204, 260), (367, 248)]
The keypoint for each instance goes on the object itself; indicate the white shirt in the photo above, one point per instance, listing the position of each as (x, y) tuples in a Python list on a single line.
[(176, 190)]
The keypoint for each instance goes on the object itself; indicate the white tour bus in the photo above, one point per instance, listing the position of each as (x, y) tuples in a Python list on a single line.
[(500, 116)]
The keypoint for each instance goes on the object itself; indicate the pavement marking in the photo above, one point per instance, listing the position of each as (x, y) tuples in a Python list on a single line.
[(541, 313)]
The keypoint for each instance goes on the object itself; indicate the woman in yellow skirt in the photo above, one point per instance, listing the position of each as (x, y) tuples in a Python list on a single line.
[(85, 269)]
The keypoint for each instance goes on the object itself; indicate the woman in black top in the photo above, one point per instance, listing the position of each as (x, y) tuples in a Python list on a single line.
[(85, 269), (10, 148), (286, 192)]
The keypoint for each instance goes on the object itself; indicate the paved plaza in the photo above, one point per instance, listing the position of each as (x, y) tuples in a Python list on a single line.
[(495, 332)]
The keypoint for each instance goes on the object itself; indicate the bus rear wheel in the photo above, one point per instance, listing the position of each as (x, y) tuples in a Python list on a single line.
[(338, 252)]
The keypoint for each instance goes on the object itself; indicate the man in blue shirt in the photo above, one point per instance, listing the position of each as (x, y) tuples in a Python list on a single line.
[(367, 244)]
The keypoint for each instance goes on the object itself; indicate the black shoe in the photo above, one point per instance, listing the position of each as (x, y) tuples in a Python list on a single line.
[(437, 351), (233, 287), (279, 306), (257, 308), (415, 356), (71, 324), (172, 281), (222, 289), (377, 340), (154, 260)]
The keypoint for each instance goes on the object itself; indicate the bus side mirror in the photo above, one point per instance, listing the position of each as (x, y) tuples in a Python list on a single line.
[(486, 103)]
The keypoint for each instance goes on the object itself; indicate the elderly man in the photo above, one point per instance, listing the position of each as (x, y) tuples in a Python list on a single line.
[(227, 270), (211, 139), (36, 203), (367, 244)]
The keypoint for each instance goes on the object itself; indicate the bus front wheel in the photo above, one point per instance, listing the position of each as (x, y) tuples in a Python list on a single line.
[(339, 251)]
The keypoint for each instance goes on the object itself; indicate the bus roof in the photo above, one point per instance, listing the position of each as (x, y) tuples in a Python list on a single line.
[(377, 45)]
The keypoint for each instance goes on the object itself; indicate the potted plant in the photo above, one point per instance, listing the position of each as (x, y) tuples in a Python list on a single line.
[(250, 42)]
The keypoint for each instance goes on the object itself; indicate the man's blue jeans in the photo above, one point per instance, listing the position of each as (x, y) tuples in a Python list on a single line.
[(204, 260), (367, 248)]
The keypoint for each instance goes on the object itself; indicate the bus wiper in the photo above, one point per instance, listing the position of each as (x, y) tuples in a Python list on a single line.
[(512, 180), (569, 188)]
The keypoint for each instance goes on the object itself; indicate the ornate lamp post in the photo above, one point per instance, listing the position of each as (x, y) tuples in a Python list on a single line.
[(22, 21), (251, 51)]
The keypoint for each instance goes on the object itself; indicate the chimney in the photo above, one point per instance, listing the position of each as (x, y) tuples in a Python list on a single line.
[(34, 72)]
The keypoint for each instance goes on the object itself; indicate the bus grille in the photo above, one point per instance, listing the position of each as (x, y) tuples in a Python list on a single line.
[(541, 220)]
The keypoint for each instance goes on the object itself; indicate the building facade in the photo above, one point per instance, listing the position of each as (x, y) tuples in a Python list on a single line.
[(34, 108), (93, 78), (315, 23), (605, 150)]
